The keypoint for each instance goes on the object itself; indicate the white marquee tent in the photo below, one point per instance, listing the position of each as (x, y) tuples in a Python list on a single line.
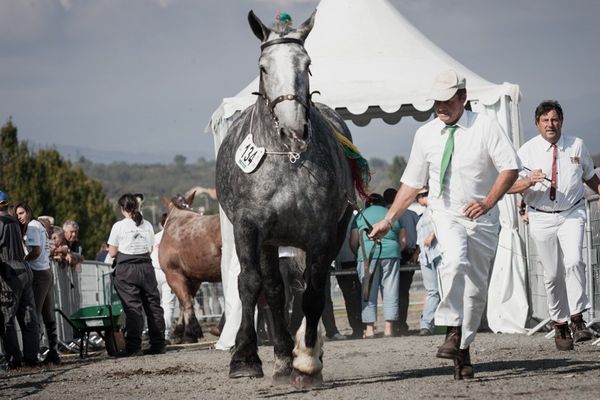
[(375, 64)]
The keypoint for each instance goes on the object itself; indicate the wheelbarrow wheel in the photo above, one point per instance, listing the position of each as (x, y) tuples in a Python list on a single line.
[(114, 341)]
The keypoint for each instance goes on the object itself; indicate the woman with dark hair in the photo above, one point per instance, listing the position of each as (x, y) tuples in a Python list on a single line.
[(130, 243), (38, 259)]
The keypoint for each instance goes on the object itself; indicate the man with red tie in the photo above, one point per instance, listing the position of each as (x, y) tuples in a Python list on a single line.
[(469, 163), (557, 166)]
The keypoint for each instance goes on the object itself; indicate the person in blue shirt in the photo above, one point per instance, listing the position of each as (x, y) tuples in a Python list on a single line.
[(384, 265), (429, 258)]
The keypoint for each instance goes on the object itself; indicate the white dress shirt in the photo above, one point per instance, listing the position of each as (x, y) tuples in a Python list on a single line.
[(573, 165), (481, 151)]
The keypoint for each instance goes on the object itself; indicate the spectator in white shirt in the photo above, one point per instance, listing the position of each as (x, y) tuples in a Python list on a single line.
[(38, 259)]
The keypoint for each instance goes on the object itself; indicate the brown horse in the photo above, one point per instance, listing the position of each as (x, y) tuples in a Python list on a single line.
[(189, 254)]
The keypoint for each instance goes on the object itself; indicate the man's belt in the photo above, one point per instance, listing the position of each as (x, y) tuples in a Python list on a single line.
[(555, 211)]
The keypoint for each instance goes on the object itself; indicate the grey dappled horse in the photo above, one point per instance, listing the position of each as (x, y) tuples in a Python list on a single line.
[(298, 195)]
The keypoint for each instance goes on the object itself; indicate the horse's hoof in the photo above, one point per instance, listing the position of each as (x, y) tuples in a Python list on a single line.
[(282, 376), (177, 340), (189, 339), (245, 370), (300, 380)]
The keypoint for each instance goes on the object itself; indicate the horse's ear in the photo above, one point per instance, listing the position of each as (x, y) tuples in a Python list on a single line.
[(190, 199), (259, 29), (305, 28), (166, 202)]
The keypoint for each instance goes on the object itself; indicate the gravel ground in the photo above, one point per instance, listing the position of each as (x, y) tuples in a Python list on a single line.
[(506, 366)]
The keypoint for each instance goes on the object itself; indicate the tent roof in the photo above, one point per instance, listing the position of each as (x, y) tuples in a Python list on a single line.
[(368, 61)]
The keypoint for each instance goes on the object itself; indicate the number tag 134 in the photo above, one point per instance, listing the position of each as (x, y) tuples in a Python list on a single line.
[(248, 155)]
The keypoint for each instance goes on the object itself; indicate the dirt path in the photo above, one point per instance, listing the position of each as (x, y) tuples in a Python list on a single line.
[(507, 366)]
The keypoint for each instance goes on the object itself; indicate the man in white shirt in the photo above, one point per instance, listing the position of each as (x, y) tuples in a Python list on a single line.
[(468, 163), (553, 190)]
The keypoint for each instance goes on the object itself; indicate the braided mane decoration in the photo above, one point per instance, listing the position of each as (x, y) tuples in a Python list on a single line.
[(358, 165)]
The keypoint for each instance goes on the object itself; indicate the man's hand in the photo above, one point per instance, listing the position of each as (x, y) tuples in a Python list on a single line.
[(379, 230), (536, 176), (476, 209)]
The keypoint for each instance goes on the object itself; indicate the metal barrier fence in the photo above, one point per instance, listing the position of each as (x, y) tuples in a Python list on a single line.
[(590, 251), (91, 285)]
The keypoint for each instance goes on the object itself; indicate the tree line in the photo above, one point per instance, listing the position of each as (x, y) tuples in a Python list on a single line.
[(54, 187)]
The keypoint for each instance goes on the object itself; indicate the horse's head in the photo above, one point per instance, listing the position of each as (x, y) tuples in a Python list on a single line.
[(284, 83), (182, 202)]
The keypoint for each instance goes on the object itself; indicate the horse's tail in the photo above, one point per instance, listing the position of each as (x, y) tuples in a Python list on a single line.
[(359, 166)]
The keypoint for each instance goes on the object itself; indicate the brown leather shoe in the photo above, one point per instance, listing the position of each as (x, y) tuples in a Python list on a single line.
[(450, 347), (463, 369), (578, 329), (562, 336)]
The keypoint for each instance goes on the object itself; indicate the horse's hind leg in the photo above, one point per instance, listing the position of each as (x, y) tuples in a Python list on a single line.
[(192, 331), (180, 286), (308, 352), (245, 361), (274, 291)]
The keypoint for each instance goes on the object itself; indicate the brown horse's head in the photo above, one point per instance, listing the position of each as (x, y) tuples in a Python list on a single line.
[(182, 202)]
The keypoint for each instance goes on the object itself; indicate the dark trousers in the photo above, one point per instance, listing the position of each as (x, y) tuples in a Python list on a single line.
[(20, 282), (351, 290), (43, 283), (138, 290), (406, 278)]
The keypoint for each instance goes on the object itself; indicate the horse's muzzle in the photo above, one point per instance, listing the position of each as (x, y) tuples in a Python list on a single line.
[(298, 141)]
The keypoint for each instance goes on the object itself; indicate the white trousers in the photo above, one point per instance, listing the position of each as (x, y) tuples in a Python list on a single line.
[(468, 248), (167, 299), (558, 239)]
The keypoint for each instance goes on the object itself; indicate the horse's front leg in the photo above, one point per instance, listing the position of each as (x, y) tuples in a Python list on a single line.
[(245, 361), (273, 289), (308, 351)]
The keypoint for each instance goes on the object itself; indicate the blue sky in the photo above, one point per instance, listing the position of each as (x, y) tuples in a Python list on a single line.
[(139, 79)]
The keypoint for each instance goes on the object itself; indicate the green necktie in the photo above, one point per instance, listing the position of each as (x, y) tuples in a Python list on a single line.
[(447, 156)]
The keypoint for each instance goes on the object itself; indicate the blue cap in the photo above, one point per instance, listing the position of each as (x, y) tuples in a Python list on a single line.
[(3, 198)]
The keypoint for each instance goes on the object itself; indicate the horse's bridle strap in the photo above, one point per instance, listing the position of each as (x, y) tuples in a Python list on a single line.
[(281, 41), (284, 97)]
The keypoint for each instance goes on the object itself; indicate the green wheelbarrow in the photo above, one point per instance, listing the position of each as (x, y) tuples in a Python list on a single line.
[(106, 320)]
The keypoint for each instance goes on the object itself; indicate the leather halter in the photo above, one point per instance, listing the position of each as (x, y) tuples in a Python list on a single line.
[(281, 41)]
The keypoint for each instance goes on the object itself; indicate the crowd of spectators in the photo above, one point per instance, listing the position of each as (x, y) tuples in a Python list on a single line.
[(28, 246)]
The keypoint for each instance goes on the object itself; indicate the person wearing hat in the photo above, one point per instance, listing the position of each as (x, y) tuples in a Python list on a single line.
[(384, 265), (553, 190), (18, 275), (469, 163)]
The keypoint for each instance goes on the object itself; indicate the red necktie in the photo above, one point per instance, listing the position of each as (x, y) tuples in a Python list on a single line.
[(553, 184)]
